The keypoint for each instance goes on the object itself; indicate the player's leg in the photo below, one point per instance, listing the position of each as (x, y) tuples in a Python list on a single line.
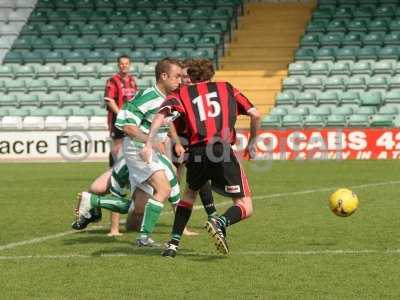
[(229, 179), (135, 213), (207, 200), (161, 191)]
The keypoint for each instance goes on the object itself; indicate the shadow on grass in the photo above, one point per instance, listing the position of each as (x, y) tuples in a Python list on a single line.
[(140, 251)]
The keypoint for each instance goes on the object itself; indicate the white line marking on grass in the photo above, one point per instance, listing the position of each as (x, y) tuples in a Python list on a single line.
[(197, 207), (243, 253)]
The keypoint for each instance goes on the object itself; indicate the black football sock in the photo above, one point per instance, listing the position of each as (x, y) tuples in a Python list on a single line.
[(230, 217), (182, 216), (110, 159), (207, 199)]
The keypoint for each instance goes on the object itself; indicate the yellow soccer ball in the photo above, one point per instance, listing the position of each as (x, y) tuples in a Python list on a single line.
[(343, 202)]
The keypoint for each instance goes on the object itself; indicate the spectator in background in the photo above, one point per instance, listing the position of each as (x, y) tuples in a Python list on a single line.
[(120, 88)]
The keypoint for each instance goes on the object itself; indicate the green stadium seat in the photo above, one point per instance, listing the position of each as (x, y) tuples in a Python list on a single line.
[(310, 39), (392, 96), (13, 57), (374, 39), (97, 85), (157, 16), (20, 112), (322, 14), (292, 83), (395, 25), (335, 83), (57, 16), (285, 98), (32, 57), (327, 98), (86, 71), (343, 13), (356, 83), (15, 86), (201, 53), (319, 68), (117, 16), (82, 112), (299, 111), (104, 42), (383, 67), (299, 68), (137, 15), (340, 68), (314, 121), (49, 29), (151, 28), (106, 70), (357, 25), (92, 99), (36, 85), (23, 43), (304, 54), (313, 83), (361, 68), (79, 15), (353, 39), (179, 15), (6, 72), (38, 16), (320, 111), (78, 85), (388, 110), (65, 71), (186, 43), (40, 112), (358, 121), (365, 110), (61, 43), (179, 54), (382, 121), (384, 11), (349, 98), (377, 82), (52, 99), (71, 100), (84, 42), (279, 111), (394, 82), (75, 56), (57, 85), (144, 43), (192, 28), (156, 55), (337, 26), (389, 52), (271, 121), (378, 25), (344, 110), (25, 71), (306, 98), (368, 52), (3, 112), (335, 120), (28, 100), (331, 39), (138, 56), (44, 71), (164, 43), (292, 121), (326, 53), (98, 15), (392, 38), (145, 4), (30, 29), (370, 99), (99, 56), (165, 4), (90, 29), (363, 12), (317, 25), (53, 57), (8, 100)]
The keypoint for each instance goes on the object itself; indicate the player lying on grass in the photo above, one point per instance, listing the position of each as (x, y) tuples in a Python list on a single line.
[(110, 191), (209, 110)]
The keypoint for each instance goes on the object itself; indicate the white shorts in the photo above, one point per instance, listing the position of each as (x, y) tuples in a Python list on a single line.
[(139, 170)]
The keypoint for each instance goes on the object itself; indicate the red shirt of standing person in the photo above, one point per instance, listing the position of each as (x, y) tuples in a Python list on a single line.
[(120, 88)]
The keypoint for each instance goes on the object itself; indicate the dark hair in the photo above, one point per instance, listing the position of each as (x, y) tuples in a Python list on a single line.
[(201, 70), (164, 65), (187, 62), (123, 56)]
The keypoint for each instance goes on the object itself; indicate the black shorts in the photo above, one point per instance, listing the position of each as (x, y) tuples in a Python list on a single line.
[(115, 133), (218, 163)]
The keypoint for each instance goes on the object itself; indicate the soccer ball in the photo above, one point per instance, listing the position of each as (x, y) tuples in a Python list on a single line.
[(343, 202)]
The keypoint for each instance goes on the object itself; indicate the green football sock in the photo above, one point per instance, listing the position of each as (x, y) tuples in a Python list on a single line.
[(110, 202), (152, 213)]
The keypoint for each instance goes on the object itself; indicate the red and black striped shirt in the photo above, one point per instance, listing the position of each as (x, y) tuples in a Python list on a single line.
[(209, 110), (120, 90)]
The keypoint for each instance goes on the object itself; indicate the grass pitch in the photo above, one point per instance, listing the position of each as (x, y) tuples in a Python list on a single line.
[(293, 247)]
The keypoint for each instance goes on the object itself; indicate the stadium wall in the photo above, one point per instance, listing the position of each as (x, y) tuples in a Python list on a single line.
[(288, 144)]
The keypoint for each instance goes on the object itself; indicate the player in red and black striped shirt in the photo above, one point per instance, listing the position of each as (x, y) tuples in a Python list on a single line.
[(120, 88), (209, 111)]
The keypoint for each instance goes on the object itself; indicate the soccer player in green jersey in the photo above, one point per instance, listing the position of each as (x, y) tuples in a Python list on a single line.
[(135, 120)]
